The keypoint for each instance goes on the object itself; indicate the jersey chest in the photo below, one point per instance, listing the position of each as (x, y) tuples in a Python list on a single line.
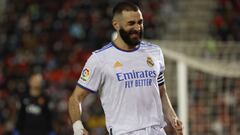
[(132, 71)]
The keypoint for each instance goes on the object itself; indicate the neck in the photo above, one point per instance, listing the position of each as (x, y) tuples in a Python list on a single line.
[(122, 45)]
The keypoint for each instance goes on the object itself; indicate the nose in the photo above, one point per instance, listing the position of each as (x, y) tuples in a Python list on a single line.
[(137, 27)]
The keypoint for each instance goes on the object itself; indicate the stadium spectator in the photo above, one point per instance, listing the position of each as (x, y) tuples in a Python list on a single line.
[(34, 115)]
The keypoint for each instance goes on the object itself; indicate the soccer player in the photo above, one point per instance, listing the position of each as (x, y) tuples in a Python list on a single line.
[(128, 75)]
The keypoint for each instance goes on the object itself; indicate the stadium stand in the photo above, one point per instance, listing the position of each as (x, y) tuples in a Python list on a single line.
[(190, 16), (226, 20)]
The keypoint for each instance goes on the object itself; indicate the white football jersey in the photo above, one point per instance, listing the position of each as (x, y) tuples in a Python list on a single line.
[(128, 85)]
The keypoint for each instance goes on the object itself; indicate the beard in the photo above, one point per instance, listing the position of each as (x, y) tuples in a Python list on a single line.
[(128, 39)]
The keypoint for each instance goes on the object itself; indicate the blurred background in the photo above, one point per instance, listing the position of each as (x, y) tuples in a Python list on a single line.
[(199, 38)]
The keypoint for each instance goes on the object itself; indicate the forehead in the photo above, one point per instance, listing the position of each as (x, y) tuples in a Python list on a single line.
[(36, 77), (131, 15)]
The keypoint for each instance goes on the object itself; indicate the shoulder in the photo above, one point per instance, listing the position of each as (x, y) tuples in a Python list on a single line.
[(99, 55), (104, 48), (147, 46)]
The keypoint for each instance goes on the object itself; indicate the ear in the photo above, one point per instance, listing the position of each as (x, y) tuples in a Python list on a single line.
[(115, 24)]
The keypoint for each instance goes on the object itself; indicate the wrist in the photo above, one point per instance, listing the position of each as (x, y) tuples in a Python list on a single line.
[(172, 118), (78, 127)]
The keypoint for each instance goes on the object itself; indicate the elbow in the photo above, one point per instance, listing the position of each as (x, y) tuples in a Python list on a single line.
[(78, 95), (70, 98), (162, 90)]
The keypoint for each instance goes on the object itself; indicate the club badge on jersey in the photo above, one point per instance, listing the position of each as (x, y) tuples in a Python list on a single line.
[(150, 62)]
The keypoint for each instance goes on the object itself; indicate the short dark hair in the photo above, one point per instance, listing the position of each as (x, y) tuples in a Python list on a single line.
[(121, 6)]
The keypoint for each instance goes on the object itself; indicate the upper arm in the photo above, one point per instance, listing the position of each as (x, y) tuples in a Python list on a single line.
[(80, 93), (162, 89)]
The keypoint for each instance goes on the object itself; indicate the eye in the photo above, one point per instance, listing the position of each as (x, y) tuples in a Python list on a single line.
[(131, 23), (140, 22)]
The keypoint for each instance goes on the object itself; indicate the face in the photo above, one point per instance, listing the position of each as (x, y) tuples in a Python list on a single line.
[(131, 27), (131, 37), (36, 81)]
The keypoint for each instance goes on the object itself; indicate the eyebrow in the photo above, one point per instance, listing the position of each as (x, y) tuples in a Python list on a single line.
[(133, 22)]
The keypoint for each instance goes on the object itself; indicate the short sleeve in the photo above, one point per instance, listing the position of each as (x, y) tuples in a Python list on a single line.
[(91, 76), (162, 64)]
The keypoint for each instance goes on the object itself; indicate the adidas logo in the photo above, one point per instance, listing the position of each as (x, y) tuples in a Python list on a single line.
[(117, 65)]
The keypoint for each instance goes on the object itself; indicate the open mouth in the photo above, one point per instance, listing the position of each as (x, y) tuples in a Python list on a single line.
[(135, 35)]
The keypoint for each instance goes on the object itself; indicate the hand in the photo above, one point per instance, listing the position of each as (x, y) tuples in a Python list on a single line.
[(85, 132), (78, 128), (177, 125)]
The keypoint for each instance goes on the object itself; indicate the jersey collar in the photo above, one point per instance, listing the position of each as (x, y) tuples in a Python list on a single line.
[(135, 49)]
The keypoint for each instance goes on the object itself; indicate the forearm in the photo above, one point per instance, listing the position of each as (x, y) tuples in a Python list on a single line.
[(74, 103), (74, 108), (166, 103), (169, 111)]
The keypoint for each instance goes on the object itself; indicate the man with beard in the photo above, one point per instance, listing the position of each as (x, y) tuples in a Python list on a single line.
[(128, 75)]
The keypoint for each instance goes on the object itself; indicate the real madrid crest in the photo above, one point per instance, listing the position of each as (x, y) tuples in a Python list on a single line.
[(150, 62)]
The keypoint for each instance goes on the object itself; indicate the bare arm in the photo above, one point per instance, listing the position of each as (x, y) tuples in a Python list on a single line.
[(75, 99), (167, 106), (169, 111)]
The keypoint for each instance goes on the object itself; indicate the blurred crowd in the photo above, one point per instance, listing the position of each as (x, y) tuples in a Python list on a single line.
[(56, 37), (213, 105), (226, 21)]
